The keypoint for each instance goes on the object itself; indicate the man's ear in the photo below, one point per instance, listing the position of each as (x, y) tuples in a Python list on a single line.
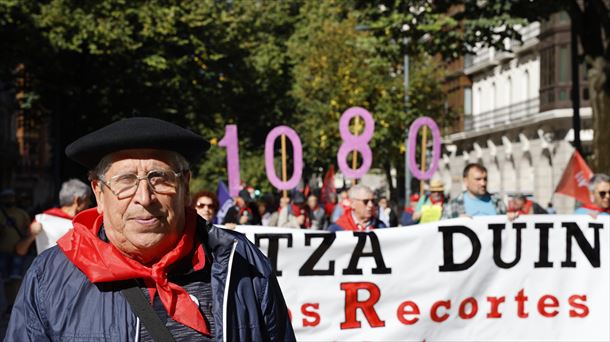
[(96, 185)]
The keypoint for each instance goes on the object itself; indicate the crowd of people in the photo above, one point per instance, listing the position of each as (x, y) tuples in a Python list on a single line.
[(358, 208)]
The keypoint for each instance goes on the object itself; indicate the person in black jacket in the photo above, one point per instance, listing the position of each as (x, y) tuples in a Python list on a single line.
[(143, 265)]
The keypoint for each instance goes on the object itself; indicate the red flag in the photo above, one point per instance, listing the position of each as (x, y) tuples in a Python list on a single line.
[(575, 179), (328, 186)]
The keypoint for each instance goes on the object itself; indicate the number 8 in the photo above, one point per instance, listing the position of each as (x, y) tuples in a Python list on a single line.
[(355, 142)]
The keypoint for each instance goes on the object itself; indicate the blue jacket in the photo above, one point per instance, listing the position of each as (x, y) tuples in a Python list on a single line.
[(57, 302)]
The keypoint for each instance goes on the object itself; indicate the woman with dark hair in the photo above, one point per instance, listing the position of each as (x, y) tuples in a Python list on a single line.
[(206, 204)]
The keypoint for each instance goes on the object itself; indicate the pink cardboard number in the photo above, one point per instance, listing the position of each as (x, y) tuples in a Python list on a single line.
[(436, 147), (297, 158), (230, 142), (355, 142)]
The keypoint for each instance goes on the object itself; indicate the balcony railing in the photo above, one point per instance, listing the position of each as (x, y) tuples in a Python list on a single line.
[(502, 116)]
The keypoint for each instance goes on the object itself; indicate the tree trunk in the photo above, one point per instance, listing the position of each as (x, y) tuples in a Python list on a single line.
[(600, 103)]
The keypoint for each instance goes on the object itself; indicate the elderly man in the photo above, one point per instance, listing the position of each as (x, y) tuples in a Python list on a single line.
[(476, 201), (361, 216), (74, 197), (143, 265), (599, 190)]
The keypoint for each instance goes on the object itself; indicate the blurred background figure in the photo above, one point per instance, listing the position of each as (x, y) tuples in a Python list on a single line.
[(206, 204), (430, 207), (385, 213), (240, 212), (74, 197), (343, 205), (14, 225), (599, 190), (264, 210), (284, 217), (317, 215), (406, 219), (524, 206), (300, 210), (330, 205)]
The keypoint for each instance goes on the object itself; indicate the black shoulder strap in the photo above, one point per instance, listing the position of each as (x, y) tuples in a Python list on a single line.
[(142, 308)]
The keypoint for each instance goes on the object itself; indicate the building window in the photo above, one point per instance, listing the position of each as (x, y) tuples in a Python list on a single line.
[(526, 88), (564, 64), (467, 101)]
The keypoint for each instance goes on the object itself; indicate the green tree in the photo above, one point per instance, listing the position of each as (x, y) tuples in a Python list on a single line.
[(339, 63), (202, 64)]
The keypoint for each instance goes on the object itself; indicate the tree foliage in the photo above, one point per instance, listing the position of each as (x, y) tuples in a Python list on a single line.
[(205, 64)]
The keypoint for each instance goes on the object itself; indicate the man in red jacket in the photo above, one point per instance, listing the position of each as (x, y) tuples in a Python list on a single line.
[(361, 216)]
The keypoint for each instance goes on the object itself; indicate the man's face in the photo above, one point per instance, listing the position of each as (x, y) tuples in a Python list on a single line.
[(147, 224), (383, 203), (363, 205), (601, 195), (476, 182)]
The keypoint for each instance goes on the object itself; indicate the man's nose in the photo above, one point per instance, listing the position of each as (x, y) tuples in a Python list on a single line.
[(144, 193)]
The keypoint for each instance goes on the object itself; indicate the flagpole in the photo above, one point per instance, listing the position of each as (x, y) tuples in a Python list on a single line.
[(284, 172), (424, 150), (355, 153)]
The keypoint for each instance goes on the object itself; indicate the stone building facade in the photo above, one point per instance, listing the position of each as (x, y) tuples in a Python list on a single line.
[(518, 116)]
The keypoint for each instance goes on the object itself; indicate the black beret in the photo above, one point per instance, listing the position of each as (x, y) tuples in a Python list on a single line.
[(132, 133)]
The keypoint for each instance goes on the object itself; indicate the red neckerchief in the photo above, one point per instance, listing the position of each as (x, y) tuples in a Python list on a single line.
[(526, 209), (103, 262), (58, 212), (346, 221), (592, 206), (440, 201)]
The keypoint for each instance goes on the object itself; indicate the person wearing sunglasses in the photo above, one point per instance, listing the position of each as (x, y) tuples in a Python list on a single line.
[(142, 265), (206, 205), (362, 213), (599, 190)]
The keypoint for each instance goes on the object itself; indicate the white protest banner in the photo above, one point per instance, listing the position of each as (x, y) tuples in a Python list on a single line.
[(53, 227), (482, 279)]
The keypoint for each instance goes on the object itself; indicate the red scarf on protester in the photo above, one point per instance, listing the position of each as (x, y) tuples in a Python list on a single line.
[(57, 212), (596, 208), (346, 221), (103, 262)]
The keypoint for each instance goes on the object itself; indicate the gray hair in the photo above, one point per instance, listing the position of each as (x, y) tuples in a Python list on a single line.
[(596, 179), (71, 188), (354, 190), (176, 159)]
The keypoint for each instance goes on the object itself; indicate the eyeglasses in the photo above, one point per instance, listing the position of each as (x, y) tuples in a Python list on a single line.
[(366, 200), (160, 181), (603, 194), (203, 205)]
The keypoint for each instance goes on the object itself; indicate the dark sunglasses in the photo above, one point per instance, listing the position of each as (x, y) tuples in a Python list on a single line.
[(367, 200), (603, 194)]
